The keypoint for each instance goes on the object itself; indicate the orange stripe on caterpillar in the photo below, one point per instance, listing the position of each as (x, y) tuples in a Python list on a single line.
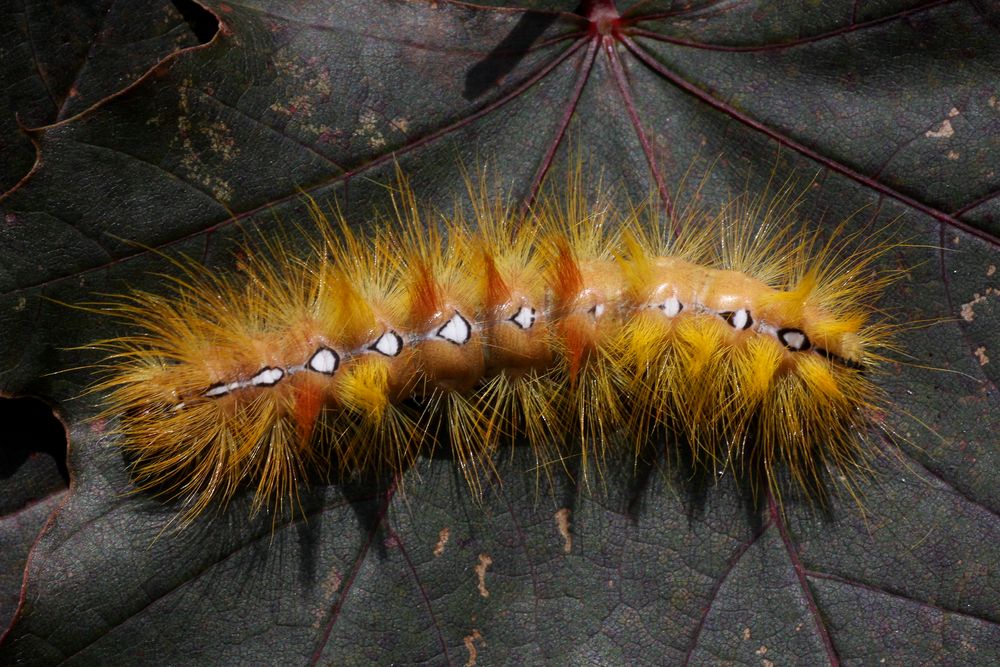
[(748, 344)]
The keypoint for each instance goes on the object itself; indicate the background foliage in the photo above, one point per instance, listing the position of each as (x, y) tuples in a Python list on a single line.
[(178, 126)]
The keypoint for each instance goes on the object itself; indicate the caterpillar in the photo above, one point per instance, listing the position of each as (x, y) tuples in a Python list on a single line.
[(578, 327)]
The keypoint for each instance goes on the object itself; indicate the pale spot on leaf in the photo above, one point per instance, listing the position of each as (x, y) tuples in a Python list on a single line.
[(484, 564), (443, 536), (470, 646), (942, 131), (563, 524), (967, 311)]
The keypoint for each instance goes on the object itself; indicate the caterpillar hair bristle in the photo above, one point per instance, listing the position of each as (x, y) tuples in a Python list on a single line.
[(579, 328)]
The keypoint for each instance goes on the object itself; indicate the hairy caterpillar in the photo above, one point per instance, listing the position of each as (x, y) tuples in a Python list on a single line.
[(578, 328)]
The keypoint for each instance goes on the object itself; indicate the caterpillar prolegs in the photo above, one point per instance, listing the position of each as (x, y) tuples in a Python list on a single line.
[(578, 328)]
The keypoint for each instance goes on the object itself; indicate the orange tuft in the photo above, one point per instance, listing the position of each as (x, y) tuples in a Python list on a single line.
[(497, 290), (309, 401), (578, 344), (425, 295), (567, 279)]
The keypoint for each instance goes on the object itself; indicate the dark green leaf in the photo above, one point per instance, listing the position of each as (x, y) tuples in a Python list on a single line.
[(58, 58)]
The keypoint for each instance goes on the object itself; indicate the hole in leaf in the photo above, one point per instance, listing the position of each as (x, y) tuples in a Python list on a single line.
[(32, 453), (201, 21)]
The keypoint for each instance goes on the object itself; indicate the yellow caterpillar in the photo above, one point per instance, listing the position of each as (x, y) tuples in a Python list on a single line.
[(577, 328)]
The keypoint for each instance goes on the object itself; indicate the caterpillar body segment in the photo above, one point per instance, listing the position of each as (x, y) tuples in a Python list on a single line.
[(574, 329)]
